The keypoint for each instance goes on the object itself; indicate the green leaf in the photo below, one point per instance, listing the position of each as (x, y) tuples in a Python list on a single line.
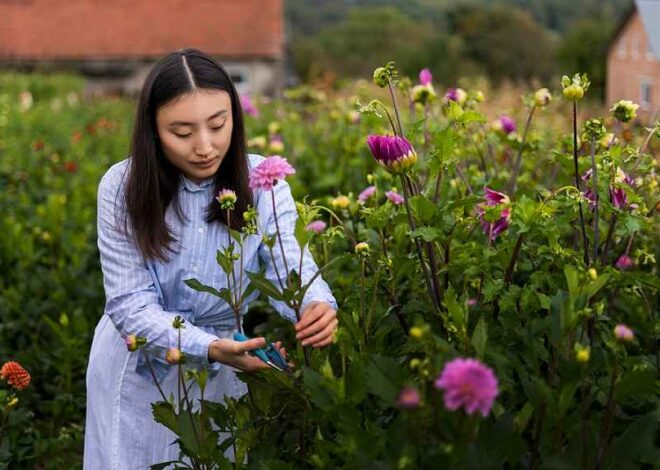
[(198, 286), (302, 236), (428, 234), (224, 261), (456, 310), (423, 209), (264, 285), (480, 337), (164, 414), (636, 382)]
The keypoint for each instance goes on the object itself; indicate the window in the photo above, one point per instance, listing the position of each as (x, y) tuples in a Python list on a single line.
[(622, 48), (635, 47), (646, 94)]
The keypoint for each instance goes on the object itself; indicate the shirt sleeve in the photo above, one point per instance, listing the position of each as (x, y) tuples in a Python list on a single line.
[(132, 301), (287, 215)]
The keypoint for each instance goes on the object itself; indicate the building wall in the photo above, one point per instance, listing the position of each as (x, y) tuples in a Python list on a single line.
[(632, 68), (251, 77)]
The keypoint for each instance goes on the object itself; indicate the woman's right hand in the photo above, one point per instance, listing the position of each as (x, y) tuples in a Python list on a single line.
[(235, 353)]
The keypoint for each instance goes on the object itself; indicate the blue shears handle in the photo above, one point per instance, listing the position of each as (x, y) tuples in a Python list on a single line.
[(270, 355)]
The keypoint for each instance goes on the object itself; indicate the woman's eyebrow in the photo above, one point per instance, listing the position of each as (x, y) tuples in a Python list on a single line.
[(184, 123)]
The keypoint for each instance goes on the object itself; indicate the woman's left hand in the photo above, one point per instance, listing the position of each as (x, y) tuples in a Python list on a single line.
[(317, 325)]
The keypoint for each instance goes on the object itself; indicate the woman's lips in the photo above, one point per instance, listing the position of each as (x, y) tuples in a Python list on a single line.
[(207, 164)]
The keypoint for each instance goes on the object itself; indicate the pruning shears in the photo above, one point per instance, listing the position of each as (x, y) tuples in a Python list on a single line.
[(270, 355)]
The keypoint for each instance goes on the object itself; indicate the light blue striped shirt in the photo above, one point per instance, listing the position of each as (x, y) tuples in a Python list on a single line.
[(144, 296)]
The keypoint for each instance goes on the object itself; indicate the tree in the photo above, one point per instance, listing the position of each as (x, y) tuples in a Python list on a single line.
[(506, 42), (584, 49)]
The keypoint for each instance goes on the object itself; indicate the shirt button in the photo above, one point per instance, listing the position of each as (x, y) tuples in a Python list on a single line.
[(200, 230)]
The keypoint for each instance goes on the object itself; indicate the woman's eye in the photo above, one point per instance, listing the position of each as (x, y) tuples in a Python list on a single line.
[(183, 136)]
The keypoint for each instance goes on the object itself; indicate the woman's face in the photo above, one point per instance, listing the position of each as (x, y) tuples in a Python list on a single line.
[(195, 132)]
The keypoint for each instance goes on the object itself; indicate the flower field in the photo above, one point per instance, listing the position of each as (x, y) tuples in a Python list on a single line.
[(493, 258)]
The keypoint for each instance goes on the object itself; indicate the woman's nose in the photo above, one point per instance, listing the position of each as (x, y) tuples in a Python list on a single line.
[(203, 146)]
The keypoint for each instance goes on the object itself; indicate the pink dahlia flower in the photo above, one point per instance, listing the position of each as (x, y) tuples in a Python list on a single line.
[(367, 194), (395, 198), (248, 106), (316, 226), (494, 198), (425, 76), (624, 262), (468, 384), (394, 153), (623, 333), (269, 172), (409, 398)]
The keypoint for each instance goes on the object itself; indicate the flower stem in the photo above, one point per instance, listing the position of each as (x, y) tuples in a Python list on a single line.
[(514, 256), (594, 175), (422, 262), (585, 241), (396, 107), (516, 167), (606, 427), (279, 238)]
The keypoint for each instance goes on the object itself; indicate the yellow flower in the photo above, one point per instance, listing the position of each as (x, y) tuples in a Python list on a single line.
[(340, 202), (582, 354), (416, 332)]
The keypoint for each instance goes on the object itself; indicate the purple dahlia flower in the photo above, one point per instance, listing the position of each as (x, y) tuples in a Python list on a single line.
[(394, 153)]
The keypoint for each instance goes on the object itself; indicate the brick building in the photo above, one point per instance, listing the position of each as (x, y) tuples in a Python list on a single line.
[(115, 42), (633, 59)]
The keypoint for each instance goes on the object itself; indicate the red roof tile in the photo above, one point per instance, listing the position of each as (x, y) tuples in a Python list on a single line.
[(98, 29)]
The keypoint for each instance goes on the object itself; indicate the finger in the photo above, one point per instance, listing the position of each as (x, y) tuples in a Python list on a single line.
[(327, 332), (319, 325), (250, 363), (249, 345), (323, 343), (310, 315)]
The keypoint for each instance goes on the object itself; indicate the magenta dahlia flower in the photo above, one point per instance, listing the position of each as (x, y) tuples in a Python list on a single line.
[(623, 333), (394, 153), (624, 262), (494, 198), (468, 384), (425, 76), (409, 398), (266, 175), (316, 226), (367, 194), (395, 198), (248, 106)]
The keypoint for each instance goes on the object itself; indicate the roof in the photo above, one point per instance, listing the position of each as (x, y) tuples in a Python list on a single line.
[(649, 10), (121, 29)]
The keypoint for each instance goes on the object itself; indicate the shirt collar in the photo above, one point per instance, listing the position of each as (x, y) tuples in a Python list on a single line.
[(194, 187)]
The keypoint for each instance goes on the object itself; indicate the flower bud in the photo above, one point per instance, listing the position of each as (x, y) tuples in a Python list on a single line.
[(423, 94), (542, 97), (582, 354), (362, 249), (593, 274), (381, 77), (416, 332), (593, 130), (573, 92), (624, 110), (174, 356), (409, 398)]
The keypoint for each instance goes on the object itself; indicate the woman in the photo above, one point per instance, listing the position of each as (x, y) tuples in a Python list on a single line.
[(159, 224)]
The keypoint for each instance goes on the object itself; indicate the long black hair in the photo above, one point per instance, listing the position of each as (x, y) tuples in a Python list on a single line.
[(153, 181)]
